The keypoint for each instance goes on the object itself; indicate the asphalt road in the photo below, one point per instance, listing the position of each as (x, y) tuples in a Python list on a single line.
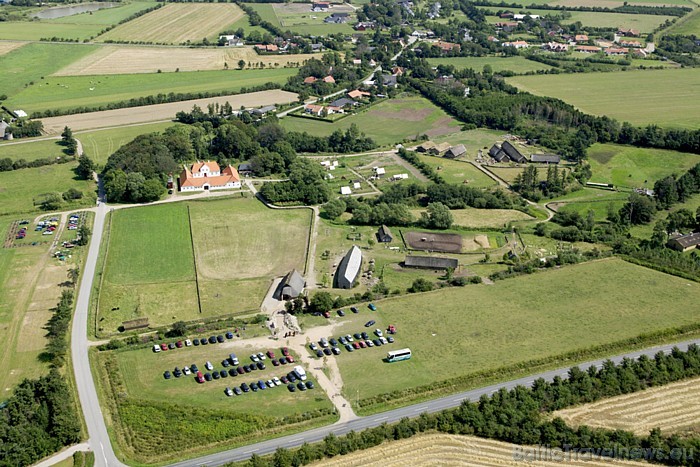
[(359, 424)]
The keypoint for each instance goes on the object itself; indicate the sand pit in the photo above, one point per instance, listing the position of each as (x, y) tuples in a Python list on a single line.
[(160, 112), (447, 243)]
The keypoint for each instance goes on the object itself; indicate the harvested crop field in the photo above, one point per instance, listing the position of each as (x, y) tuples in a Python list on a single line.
[(672, 408), (160, 112), (446, 243), (443, 449), (9, 46), (113, 60), (176, 23)]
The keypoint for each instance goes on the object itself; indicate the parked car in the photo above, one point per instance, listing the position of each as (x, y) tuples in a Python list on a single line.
[(333, 341), (270, 383), (195, 342), (372, 307), (391, 329), (355, 345), (349, 338), (212, 339), (309, 385), (240, 370), (188, 343), (166, 374), (362, 344), (383, 340), (246, 368), (354, 309), (364, 335), (270, 354), (292, 376), (261, 385), (203, 341), (285, 351), (261, 356), (220, 339), (390, 339), (177, 372), (228, 392), (327, 351), (163, 346), (349, 348), (215, 375), (336, 351), (275, 362), (245, 387), (341, 313), (199, 377), (283, 360), (234, 360), (378, 332), (369, 343), (229, 335), (232, 372), (377, 342), (225, 363), (323, 342), (326, 314), (319, 353), (254, 358), (357, 336), (290, 359), (342, 340), (156, 348), (171, 345), (179, 344), (254, 386), (187, 371), (291, 387), (194, 368), (284, 379), (237, 391), (313, 346), (223, 373), (207, 376), (301, 386), (260, 365), (209, 366), (370, 323), (276, 381)]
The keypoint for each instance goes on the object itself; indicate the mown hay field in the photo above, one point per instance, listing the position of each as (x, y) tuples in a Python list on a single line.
[(514, 64), (639, 97), (673, 408), (458, 172), (443, 449), (478, 218), (9, 46), (176, 23), (113, 60)]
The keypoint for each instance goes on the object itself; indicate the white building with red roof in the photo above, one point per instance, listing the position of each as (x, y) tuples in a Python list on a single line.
[(203, 176)]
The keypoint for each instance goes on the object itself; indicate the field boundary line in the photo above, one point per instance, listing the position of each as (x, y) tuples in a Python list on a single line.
[(106, 239), (194, 261), (309, 239)]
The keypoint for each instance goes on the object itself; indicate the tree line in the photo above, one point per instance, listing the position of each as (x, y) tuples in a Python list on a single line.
[(520, 416)]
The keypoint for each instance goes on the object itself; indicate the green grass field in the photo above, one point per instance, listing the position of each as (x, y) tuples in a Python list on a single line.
[(31, 150), (644, 23), (688, 25), (34, 61), (388, 122), (627, 166), (67, 92), (478, 218), (458, 171), (459, 331), (100, 144), (19, 188), (639, 97), (106, 16), (517, 65)]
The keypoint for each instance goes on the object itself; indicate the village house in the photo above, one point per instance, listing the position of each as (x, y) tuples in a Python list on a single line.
[(430, 262), (616, 51), (555, 47), (628, 32), (231, 41), (517, 44), (343, 102), (349, 268), (630, 43), (310, 80), (337, 18), (589, 49), (446, 46), (506, 152), (329, 79), (357, 94), (506, 26), (365, 25), (581, 38), (267, 48), (204, 176), (520, 17), (4, 130)]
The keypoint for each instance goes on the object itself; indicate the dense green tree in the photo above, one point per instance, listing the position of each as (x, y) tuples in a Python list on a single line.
[(51, 202), (321, 302), (639, 209), (333, 209), (85, 168), (438, 216)]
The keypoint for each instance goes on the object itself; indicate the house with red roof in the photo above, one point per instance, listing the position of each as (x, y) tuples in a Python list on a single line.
[(204, 176)]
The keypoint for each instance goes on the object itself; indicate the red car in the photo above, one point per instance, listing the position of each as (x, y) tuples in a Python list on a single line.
[(163, 347), (391, 329), (179, 344), (326, 314), (290, 359), (270, 354), (285, 351), (200, 377)]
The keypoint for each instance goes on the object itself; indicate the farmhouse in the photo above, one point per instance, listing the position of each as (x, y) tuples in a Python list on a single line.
[(517, 44), (291, 286), (456, 151), (267, 48), (520, 17), (628, 32), (430, 262), (432, 148), (329, 79), (589, 49), (684, 242), (546, 158), (231, 41), (447, 46), (4, 132), (365, 25), (208, 175), (384, 234), (262, 111), (616, 51), (505, 152), (348, 269), (337, 18), (631, 43), (320, 6), (389, 80)]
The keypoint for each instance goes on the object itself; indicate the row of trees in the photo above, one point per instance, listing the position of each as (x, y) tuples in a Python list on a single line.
[(516, 416)]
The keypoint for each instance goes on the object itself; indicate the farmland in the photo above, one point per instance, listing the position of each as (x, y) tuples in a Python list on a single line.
[(238, 248), (674, 408), (626, 166), (110, 60), (458, 171), (199, 417), (177, 23), (388, 122), (160, 112), (31, 150), (6, 47), (687, 25), (30, 62), (106, 16), (444, 449), (516, 64), (644, 23), (479, 218), (506, 323), (70, 92), (649, 100), (298, 18), (19, 189)]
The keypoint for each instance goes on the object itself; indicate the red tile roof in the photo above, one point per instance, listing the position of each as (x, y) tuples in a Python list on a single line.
[(228, 175)]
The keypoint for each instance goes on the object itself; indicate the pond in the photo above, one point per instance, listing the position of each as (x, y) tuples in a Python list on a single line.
[(61, 11)]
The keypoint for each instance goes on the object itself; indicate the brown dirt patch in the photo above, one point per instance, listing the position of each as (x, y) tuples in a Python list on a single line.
[(441, 127), (446, 243), (405, 115), (9, 46), (109, 60), (160, 112)]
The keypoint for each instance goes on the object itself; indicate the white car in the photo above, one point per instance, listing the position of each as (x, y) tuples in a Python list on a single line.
[(188, 343), (254, 358), (383, 340), (187, 370), (262, 356), (208, 366), (349, 338), (378, 332), (156, 348), (276, 380), (228, 392)]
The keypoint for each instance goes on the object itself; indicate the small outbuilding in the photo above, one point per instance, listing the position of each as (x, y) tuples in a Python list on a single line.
[(345, 190), (384, 234), (430, 262), (684, 242), (456, 151)]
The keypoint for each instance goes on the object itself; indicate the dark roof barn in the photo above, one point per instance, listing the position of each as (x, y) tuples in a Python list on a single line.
[(430, 262)]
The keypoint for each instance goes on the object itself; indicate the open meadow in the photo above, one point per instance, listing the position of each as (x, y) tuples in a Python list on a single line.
[(444, 449), (177, 23), (298, 18), (31, 150), (631, 167), (155, 268), (479, 218), (388, 122), (639, 97), (160, 112), (199, 417), (70, 92), (674, 408), (112, 60), (515, 64), (460, 172), (29, 63), (644, 23), (688, 25), (483, 327)]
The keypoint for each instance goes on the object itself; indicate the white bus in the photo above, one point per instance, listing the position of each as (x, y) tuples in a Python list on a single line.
[(398, 355)]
